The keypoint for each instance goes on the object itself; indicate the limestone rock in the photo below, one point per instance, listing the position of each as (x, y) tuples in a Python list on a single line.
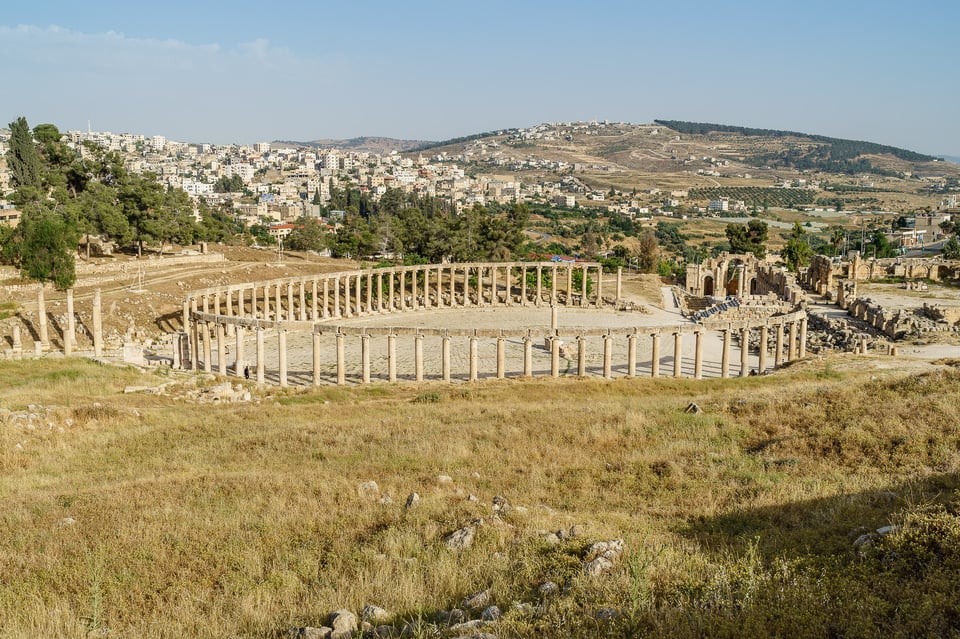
[(693, 408), (308, 632), (375, 615), (607, 614), (547, 588), (453, 617), (460, 539), (473, 624), (477, 600), (611, 550), (501, 505), (412, 500), (344, 624), (491, 613), (597, 566), (368, 489), (444, 479)]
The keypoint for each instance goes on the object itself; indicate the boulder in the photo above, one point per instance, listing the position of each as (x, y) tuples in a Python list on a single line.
[(477, 600), (460, 539)]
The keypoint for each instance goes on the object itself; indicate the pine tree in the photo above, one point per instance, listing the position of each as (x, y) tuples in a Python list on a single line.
[(22, 156)]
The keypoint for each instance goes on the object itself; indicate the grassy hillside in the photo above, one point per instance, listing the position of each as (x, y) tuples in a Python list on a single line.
[(151, 515)]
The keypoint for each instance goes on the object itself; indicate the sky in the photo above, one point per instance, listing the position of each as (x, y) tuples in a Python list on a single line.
[(223, 72)]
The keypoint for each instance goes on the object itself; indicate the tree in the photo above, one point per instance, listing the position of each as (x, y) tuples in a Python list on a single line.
[(951, 249), (43, 246), (310, 235), (797, 251), (22, 157), (648, 253), (751, 238)]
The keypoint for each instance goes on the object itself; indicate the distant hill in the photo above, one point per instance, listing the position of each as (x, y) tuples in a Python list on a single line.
[(833, 155), (370, 144), (952, 158)]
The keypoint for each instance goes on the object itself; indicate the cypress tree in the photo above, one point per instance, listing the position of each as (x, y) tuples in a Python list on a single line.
[(22, 156)]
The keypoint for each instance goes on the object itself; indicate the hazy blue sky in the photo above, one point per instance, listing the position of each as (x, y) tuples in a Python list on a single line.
[(240, 71)]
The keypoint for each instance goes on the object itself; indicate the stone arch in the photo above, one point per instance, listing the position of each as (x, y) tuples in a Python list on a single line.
[(708, 286)]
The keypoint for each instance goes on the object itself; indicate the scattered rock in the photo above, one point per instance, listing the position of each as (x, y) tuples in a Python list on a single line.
[(551, 538), (444, 479), (491, 613), (611, 550), (473, 624), (693, 408), (309, 632), (67, 521), (412, 500), (477, 600), (597, 566), (386, 500), (375, 615), (501, 505), (344, 624), (368, 489), (607, 614), (460, 539), (547, 588), (453, 617)]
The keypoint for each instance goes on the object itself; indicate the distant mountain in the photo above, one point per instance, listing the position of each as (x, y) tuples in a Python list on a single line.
[(952, 158), (369, 144)]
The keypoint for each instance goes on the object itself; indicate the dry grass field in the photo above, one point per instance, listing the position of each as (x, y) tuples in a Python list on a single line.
[(148, 515)]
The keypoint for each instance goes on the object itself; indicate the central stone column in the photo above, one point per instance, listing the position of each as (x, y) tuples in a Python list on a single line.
[(632, 355), (539, 298), (655, 355), (391, 299), (554, 356), (445, 357), (762, 363), (744, 351), (582, 355), (238, 363), (418, 352), (698, 355), (494, 294), (778, 353), (346, 297), (607, 356), (370, 292), (725, 360), (802, 346), (585, 273), (365, 358), (501, 357), (473, 358), (392, 357), (221, 349), (403, 289), (527, 356), (792, 345), (553, 285), (523, 285), (379, 292), (341, 363), (316, 353), (336, 297), (678, 354), (326, 298), (358, 293)]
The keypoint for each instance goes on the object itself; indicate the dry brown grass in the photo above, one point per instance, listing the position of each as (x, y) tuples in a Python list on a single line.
[(245, 520)]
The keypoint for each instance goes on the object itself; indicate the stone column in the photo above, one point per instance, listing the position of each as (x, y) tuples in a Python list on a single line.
[(527, 356), (194, 338), (445, 356), (792, 345), (316, 351), (764, 336), (619, 284), (346, 297), (632, 355), (392, 357), (501, 357), (452, 270), (17, 342), (584, 271), (539, 298), (379, 292), (599, 286), (390, 292), (480, 300), (802, 346), (438, 302), (365, 358), (508, 286), (581, 356), (744, 351), (553, 285), (678, 354), (291, 310), (523, 286), (302, 315), (221, 349), (261, 361), (473, 358), (42, 318), (698, 356), (554, 356), (403, 290), (569, 285), (336, 297), (341, 364), (494, 294), (418, 355), (369, 292), (607, 356), (279, 301), (282, 355), (238, 363), (71, 330), (553, 318), (358, 293), (655, 355), (326, 297), (725, 361), (313, 300), (98, 326), (740, 279), (466, 286), (778, 345), (207, 355)]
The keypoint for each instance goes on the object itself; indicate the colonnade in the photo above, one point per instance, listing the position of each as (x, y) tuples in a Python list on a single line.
[(405, 288), (341, 367)]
